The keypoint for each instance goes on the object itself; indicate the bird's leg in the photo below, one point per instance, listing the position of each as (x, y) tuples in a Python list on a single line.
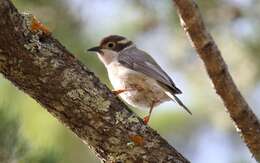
[(117, 92), (147, 118)]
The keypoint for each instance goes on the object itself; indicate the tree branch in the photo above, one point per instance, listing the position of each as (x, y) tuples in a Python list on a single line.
[(40, 66), (240, 112)]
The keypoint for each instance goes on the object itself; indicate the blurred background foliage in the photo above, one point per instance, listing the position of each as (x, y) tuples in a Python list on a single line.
[(29, 134)]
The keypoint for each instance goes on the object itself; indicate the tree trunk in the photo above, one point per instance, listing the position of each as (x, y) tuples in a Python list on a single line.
[(40, 66), (245, 120)]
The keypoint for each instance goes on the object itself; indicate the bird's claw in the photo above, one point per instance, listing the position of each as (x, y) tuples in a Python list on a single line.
[(146, 119)]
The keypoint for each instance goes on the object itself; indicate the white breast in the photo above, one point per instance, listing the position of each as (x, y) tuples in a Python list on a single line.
[(117, 74), (124, 78)]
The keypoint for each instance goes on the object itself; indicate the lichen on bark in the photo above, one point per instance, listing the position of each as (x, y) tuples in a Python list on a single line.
[(41, 67)]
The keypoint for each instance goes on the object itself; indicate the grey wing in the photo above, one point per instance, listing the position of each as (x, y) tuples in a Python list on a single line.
[(140, 61)]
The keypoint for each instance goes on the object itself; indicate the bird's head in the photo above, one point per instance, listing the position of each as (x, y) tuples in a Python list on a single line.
[(110, 47)]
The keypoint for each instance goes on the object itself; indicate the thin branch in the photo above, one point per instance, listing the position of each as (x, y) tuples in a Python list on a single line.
[(40, 66), (240, 112)]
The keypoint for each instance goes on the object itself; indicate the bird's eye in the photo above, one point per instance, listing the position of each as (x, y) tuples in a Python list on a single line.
[(111, 45)]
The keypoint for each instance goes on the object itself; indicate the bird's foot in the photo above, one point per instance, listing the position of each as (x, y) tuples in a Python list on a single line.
[(146, 119), (119, 91)]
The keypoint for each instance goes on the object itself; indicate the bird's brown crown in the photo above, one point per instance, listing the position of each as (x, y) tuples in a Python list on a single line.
[(115, 43)]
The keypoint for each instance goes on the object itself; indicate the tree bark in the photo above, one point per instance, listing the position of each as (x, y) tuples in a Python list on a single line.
[(244, 119), (40, 66)]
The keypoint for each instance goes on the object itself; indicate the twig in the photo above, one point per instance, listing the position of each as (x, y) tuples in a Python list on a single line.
[(245, 120)]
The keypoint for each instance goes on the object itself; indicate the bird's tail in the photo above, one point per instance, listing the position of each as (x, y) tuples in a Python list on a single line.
[(175, 98)]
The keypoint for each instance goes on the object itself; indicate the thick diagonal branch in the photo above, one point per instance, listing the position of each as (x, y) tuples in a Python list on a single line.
[(40, 66), (241, 113)]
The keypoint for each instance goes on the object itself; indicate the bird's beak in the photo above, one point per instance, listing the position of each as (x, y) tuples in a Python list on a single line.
[(94, 49)]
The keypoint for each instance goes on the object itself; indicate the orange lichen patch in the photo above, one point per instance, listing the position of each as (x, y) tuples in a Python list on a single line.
[(38, 26), (137, 139)]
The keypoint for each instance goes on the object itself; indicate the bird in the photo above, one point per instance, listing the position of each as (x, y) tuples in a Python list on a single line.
[(135, 76)]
